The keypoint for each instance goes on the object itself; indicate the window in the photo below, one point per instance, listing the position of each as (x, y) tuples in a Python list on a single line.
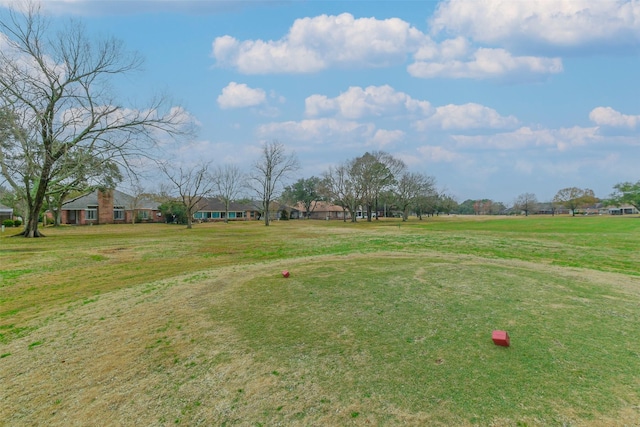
[(118, 213), (91, 213), (232, 215), (239, 214), (143, 214)]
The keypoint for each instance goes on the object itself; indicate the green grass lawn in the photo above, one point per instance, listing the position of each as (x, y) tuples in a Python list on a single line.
[(382, 323)]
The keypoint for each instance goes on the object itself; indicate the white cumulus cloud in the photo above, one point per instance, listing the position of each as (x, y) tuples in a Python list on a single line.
[(383, 138), (607, 116), (358, 102), (239, 95), (325, 130), (525, 137), (483, 63), (314, 44), (438, 154), (466, 116), (559, 23), (342, 41)]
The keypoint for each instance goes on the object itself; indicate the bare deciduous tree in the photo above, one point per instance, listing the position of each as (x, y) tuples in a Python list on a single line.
[(192, 184), (526, 202), (228, 183), (139, 195), (56, 103), (338, 187), (411, 187), (269, 172)]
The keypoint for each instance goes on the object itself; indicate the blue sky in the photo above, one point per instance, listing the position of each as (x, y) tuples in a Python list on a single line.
[(493, 98)]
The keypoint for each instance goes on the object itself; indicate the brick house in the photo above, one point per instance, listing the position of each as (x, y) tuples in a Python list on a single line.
[(109, 207), (213, 209), (323, 210)]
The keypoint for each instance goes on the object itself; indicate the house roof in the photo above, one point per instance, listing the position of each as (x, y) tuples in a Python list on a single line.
[(5, 209), (319, 206), (621, 207), (214, 204), (119, 199)]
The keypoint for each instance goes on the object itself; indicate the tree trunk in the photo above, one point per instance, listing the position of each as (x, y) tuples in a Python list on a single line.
[(35, 206), (266, 217), (265, 204), (31, 227)]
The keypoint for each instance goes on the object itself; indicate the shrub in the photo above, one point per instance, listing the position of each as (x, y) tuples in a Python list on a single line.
[(17, 223), (8, 223)]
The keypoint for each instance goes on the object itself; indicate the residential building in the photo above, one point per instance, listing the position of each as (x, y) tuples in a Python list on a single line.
[(5, 213), (623, 210), (109, 207), (323, 210), (213, 209)]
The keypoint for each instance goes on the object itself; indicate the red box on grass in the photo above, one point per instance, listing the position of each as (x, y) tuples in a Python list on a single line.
[(285, 273), (501, 338)]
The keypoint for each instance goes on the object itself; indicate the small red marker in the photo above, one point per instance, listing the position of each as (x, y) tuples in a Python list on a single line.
[(285, 273), (501, 338)]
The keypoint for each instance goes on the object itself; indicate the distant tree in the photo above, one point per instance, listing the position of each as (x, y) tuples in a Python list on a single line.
[(426, 205), (573, 198), (6, 197), (626, 193), (374, 173), (173, 211), (410, 188), (56, 107), (482, 207), (526, 202), (228, 182), (466, 207), (138, 195), (269, 172), (305, 191), (446, 203), (497, 208), (339, 187), (192, 185)]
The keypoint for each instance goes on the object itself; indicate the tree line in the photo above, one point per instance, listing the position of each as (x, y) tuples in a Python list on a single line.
[(372, 183)]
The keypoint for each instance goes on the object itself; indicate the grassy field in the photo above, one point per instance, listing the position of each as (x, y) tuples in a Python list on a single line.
[(382, 323)]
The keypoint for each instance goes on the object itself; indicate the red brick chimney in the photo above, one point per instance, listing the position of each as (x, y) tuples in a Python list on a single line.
[(105, 206)]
